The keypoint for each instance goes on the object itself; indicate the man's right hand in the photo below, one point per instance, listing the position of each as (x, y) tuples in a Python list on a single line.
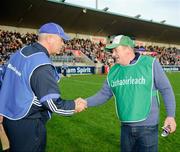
[(80, 104)]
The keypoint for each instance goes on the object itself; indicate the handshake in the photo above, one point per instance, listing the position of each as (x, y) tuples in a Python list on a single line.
[(80, 104)]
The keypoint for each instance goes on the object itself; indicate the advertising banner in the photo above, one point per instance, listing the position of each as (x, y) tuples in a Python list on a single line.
[(71, 70)]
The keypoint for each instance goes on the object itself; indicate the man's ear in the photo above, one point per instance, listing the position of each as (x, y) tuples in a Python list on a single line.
[(49, 39)]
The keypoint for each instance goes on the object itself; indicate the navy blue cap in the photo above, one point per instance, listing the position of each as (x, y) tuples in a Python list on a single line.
[(53, 28)]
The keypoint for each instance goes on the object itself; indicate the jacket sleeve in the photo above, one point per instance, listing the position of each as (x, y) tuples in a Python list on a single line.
[(45, 88), (101, 96), (163, 85)]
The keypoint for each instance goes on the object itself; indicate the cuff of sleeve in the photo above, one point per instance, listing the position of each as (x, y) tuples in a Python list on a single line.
[(171, 115)]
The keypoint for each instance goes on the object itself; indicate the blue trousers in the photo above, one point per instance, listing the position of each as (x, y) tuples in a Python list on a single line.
[(139, 138), (26, 135)]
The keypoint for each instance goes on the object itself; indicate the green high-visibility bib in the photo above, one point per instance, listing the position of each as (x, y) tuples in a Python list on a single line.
[(132, 89)]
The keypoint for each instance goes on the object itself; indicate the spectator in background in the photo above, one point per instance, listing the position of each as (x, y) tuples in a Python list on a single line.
[(64, 68), (2, 70)]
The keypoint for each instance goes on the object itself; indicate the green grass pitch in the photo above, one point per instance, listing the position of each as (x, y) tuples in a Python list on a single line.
[(97, 129)]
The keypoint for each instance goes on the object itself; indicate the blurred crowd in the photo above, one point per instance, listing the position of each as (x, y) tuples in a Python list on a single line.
[(12, 41), (94, 51), (166, 56)]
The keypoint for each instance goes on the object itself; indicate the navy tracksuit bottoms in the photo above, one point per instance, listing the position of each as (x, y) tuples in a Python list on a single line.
[(26, 135)]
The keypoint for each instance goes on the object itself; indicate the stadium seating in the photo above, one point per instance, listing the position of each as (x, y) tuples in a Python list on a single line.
[(76, 49)]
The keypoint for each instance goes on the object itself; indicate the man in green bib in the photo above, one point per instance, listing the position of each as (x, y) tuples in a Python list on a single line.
[(134, 81)]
